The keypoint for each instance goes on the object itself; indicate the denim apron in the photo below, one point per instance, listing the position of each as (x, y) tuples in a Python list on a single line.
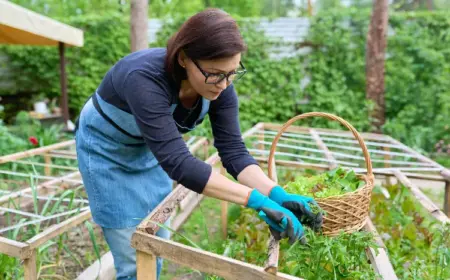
[(123, 179)]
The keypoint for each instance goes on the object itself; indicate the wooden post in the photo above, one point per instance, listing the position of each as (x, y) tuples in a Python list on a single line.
[(47, 168), (63, 81), (387, 158), (224, 211), (447, 199), (261, 139), (145, 266), (30, 266)]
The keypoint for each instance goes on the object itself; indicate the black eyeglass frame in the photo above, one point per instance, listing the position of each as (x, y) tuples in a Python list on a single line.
[(207, 75)]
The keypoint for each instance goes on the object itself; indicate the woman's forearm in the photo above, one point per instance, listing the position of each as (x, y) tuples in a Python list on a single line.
[(220, 187), (254, 177)]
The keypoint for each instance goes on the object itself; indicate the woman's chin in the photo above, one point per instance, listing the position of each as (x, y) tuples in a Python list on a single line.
[(211, 96)]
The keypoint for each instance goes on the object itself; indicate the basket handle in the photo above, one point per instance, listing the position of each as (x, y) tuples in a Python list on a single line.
[(358, 137)]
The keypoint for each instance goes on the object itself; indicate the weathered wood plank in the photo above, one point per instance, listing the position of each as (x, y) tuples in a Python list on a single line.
[(30, 270), (39, 187), (103, 269), (201, 260), (166, 208), (36, 151), (380, 262), (422, 198), (145, 266), (14, 248), (184, 214), (447, 198), (332, 132), (58, 229)]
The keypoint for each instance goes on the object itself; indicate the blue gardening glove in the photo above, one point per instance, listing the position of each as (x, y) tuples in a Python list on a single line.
[(282, 222), (300, 206)]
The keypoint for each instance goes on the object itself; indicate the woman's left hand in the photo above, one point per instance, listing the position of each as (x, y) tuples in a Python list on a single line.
[(299, 205)]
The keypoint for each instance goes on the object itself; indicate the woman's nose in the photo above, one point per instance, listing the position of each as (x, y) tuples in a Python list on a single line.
[(222, 85)]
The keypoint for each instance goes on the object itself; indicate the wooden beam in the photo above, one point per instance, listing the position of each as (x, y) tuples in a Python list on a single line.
[(165, 209), (44, 185), (201, 260), (332, 132), (63, 82), (64, 153), (46, 218), (55, 155), (447, 199), (29, 175), (323, 167), (48, 161), (302, 157), (422, 198), (14, 248), (33, 152), (253, 130), (380, 262), (331, 160), (417, 155), (146, 266), (295, 164), (103, 269), (224, 210), (48, 166), (184, 214), (58, 229), (23, 213), (30, 271)]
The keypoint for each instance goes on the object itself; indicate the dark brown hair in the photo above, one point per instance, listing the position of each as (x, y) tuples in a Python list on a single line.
[(210, 34)]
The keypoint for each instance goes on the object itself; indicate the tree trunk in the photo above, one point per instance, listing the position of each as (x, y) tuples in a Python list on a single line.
[(309, 8), (139, 25), (375, 53)]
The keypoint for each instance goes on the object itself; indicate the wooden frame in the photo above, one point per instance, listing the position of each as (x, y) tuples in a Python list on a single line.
[(149, 246), (48, 190)]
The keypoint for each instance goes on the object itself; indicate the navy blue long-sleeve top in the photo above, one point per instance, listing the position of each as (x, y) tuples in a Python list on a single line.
[(139, 84)]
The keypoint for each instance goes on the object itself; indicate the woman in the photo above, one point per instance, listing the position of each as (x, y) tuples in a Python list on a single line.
[(129, 142)]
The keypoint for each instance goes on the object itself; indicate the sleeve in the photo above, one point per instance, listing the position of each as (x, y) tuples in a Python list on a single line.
[(224, 116), (150, 104)]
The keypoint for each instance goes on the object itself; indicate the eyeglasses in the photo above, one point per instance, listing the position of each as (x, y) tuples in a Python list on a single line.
[(213, 78)]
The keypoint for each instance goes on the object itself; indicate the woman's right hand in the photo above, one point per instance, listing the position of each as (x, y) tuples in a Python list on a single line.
[(282, 222)]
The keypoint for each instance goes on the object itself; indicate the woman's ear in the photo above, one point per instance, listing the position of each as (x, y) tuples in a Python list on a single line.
[(182, 59)]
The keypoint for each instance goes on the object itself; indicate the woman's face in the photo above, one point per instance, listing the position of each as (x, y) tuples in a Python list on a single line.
[(213, 69)]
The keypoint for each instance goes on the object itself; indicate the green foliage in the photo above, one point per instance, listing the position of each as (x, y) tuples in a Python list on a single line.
[(36, 68), (58, 8), (334, 182), (418, 245), (267, 82), (340, 257), (417, 69), (17, 138)]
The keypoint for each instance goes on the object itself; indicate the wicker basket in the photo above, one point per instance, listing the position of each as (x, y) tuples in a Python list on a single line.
[(346, 212)]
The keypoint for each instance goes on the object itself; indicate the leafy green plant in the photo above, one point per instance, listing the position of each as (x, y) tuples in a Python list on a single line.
[(334, 182), (417, 244)]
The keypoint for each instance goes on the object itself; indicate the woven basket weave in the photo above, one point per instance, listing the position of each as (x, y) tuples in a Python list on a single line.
[(346, 212)]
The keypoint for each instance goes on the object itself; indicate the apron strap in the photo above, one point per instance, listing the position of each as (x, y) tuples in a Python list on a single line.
[(99, 109)]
